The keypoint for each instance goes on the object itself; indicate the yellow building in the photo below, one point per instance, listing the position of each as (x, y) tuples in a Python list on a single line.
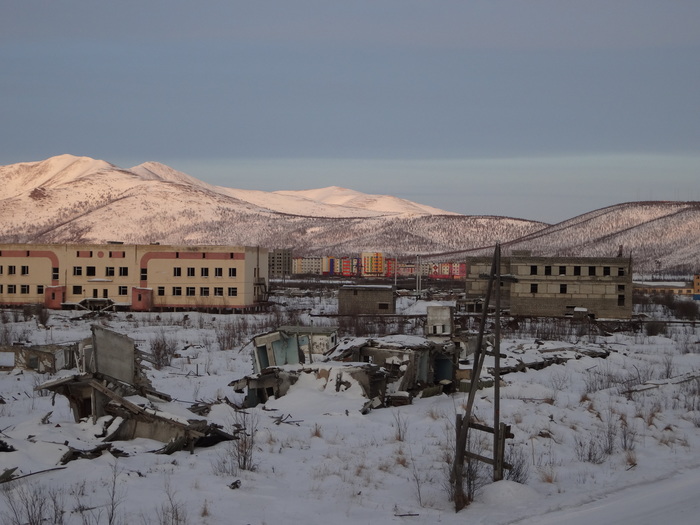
[(134, 277), (372, 264)]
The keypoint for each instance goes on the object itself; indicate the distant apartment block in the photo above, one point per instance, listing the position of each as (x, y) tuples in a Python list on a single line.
[(307, 265), (373, 264), (134, 277), (341, 266), (559, 286), (280, 263)]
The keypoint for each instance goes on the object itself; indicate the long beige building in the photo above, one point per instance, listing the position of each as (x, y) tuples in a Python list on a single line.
[(134, 277), (559, 286)]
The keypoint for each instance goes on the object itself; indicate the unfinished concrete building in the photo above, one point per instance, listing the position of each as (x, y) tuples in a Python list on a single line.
[(366, 299), (558, 286)]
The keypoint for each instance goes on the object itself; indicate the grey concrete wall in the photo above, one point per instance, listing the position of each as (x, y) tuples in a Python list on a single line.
[(114, 354)]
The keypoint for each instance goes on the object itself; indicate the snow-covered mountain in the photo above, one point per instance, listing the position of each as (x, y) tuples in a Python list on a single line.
[(71, 199), (79, 199)]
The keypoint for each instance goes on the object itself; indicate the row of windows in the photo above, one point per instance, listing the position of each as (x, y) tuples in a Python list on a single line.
[(23, 289), (204, 272), (12, 270), (122, 271), (119, 255), (592, 270), (191, 291), (110, 271), (564, 288)]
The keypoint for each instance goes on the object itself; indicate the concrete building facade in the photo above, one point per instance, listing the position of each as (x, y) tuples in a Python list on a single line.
[(366, 299), (559, 286), (134, 277), (280, 263)]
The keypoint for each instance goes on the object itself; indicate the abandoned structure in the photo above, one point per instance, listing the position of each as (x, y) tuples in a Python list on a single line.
[(366, 299), (280, 263), (134, 277), (558, 286), (41, 358), (371, 380), (412, 363), (389, 370), (111, 382)]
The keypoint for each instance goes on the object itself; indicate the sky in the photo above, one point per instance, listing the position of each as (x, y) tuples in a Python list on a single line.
[(541, 110)]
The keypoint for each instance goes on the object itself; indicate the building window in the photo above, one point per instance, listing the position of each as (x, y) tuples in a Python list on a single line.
[(190, 291), (123, 290), (11, 288), (24, 289), (0, 288), (77, 290), (533, 288), (77, 270), (606, 270), (177, 290), (562, 270), (591, 271), (25, 270), (621, 300), (218, 272), (232, 291), (190, 272), (533, 269), (123, 271), (577, 270), (620, 272), (204, 291), (205, 272), (231, 272), (0, 269), (219, 291), (109, 271), (161, 291), (562, 288), (11, 270), (383, 306), (90, 271), (54, 274), (620, 287), (144, 274), (40, 289), (177, 271), (548, 270)]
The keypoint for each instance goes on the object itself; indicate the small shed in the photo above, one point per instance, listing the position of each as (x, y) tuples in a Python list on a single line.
[(366, 299), (40, 358)]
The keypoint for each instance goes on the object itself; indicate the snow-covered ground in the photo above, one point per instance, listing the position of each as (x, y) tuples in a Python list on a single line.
[(602, 440)]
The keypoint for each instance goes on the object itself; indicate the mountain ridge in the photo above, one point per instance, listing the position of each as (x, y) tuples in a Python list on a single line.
[(79, 199)]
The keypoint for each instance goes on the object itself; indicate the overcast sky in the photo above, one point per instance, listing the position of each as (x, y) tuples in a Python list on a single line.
[(536, 109)]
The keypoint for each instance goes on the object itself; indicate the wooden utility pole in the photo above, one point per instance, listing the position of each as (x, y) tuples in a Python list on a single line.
[(463, 423)]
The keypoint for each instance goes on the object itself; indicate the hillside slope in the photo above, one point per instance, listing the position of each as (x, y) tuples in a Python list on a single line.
[(78, 199), (660, 236)]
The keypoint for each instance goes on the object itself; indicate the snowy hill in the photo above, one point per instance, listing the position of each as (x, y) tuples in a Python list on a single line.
[(658, 235), (79, 199)]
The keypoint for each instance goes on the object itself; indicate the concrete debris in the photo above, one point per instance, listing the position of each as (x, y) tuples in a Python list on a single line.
[(112, 382)]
